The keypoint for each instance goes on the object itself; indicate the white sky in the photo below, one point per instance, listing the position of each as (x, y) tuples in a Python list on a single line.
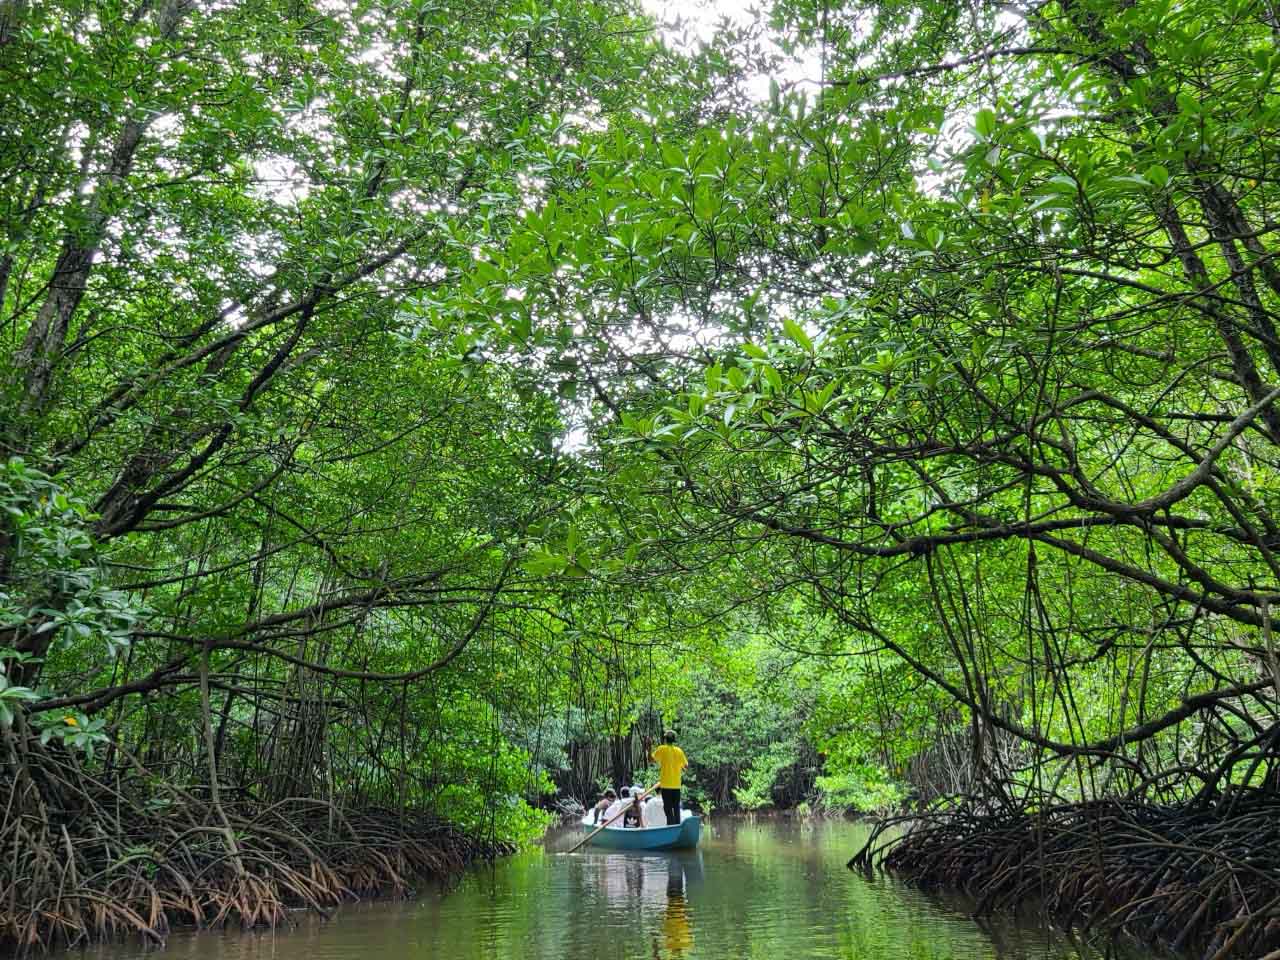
[(698, 19), (701, 15)]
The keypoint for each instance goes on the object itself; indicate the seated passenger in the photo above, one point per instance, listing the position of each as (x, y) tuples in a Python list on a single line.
[(652, 812), (598, 810), (615, 808), (634, 817)]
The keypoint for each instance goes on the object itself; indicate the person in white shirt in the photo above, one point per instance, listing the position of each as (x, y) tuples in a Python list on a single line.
[(653, 815), (616, 807)]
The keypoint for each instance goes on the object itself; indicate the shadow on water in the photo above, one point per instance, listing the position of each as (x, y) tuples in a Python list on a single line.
[(752, 889)]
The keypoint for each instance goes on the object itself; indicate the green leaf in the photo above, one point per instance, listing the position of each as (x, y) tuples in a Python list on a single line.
[(713, 378), (544, 562), (673, 157), (796, 334), (825, 394), (985, 123)]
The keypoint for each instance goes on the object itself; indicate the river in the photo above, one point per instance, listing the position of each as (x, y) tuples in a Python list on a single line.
[(755, 888)]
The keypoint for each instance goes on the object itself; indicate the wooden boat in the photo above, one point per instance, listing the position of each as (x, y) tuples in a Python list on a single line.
[(683, 836)]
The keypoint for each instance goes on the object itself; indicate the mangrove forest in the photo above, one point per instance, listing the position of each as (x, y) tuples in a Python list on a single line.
[(415, 412)]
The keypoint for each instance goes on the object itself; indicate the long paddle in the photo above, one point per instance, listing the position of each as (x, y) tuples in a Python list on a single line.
[(634, 800)]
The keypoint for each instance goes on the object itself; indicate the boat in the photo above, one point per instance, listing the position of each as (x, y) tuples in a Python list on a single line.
[(681, 836)]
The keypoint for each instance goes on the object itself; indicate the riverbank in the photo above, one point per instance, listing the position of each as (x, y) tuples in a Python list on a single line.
[(76, 877), (1202, 881)]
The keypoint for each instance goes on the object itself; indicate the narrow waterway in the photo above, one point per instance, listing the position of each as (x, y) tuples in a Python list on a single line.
[(763, 888)]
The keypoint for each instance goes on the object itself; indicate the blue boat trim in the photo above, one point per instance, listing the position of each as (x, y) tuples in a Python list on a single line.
[(682, 836)]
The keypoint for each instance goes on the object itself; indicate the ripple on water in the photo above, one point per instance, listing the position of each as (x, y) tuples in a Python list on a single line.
[(762, 888)]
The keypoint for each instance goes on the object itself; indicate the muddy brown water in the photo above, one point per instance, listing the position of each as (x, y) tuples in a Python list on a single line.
[(755, 888)]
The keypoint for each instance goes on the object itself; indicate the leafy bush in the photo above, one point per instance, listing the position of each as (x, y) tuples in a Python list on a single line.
[(863, 787), (54, 584), (760, 778)]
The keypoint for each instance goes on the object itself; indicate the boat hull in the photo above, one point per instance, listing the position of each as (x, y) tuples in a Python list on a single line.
[(683, 836)]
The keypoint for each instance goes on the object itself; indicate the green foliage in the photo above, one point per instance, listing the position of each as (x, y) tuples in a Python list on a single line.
[(759, 778), (74, 730), (11, 697), (743, 728), (256, 381), (472, 385), (864, 788), (936, 398), (55, 587)]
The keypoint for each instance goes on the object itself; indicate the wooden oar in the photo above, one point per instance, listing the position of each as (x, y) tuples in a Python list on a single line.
[(634, 800)]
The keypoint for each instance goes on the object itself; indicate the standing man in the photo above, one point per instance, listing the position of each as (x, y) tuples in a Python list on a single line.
[(671, 761)]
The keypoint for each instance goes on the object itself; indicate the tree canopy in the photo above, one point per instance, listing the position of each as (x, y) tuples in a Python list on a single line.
[(426, 402)]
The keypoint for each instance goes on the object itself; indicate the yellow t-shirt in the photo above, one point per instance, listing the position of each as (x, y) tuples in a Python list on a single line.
[(671, 760)]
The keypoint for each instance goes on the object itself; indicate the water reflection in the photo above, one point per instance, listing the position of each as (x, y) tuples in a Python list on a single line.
[(653, 888), (648, 891), (677, 922)]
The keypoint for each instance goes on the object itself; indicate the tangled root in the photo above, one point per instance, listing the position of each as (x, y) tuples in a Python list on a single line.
[(1199, 879), (82, 860)]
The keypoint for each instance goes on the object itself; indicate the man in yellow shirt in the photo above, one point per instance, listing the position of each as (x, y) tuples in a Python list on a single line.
[(671, 761)]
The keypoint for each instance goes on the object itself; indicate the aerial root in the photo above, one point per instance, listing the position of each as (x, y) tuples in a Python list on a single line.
[(89, 862), (1198, 879)]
